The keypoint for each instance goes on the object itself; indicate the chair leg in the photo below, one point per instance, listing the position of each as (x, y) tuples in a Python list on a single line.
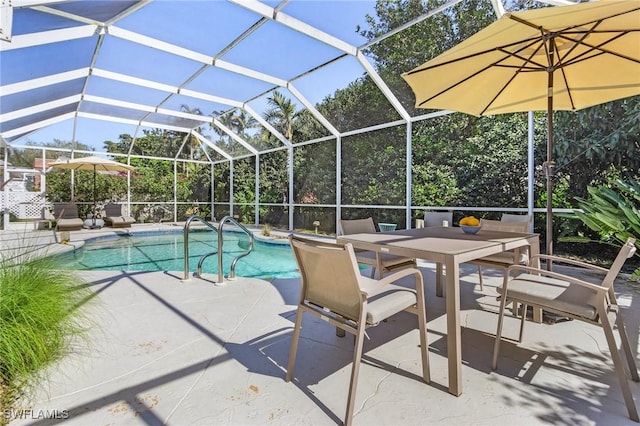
[(514, 309), (496, 345), (626, 346), (480, 276), (422, 328), (373, 272), (439, 279), (294, 345), (355, 369), (522, 320), (617, 364)]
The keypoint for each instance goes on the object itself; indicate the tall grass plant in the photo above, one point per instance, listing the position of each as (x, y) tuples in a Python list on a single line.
[(41, 321)]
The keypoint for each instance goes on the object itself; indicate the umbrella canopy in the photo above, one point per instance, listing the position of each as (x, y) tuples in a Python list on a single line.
[(96, 164), (555, 58)]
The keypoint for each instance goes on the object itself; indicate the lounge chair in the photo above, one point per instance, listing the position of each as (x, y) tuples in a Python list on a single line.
[(593, 302), (66, 215), (383, 262), (114, 216), (333, 289)]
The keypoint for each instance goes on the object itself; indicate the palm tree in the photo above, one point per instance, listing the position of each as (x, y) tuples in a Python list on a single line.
[(237, 120), (282, 114), (193, 141)]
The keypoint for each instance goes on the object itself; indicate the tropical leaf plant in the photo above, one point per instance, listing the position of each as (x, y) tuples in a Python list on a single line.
[(613, 211)]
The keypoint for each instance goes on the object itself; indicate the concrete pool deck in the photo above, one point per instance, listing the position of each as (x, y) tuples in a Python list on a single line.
[(164, 351)]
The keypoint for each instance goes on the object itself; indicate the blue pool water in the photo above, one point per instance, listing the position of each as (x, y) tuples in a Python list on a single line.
[(165, 252)]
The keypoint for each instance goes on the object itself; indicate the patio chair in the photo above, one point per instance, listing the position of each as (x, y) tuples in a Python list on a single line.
[(432, 219), (383, 262), (115, 218), (437, 218), (508, 223), (594, 303), (333, 289), (66, 215)]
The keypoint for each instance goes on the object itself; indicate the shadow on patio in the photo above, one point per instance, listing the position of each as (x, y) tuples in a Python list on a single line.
[(169, 352)]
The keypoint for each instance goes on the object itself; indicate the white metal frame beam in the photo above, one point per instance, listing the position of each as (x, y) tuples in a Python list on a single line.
[(193, 55), (37, 126), (234, 136), (47, 37), (295, 24), (313, 32), (312, 109), (266, 125), (383, 87), (35, 109)]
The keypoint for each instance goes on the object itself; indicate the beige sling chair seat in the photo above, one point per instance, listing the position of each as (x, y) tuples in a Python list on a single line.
[(578, 299), (382, 262), (333, 289), (508, 223)]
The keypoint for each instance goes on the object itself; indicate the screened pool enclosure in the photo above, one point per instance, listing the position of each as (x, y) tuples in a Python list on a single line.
[(291, 114)]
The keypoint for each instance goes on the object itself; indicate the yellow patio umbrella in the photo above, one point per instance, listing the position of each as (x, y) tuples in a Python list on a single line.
[(97, 164), (554, 58)]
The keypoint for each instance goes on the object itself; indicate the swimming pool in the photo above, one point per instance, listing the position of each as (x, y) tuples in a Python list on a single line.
[(165, 252)]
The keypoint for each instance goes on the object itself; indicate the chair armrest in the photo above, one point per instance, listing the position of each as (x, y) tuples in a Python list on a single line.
[(391, 278), (570, 262), (556, 275), (401, 274)]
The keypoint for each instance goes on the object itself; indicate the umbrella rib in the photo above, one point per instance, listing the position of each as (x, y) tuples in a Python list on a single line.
[(504, 86), (457, 84), (561, 58), (598, 48), (502, 49), (527, 23), (519, 70), (592, 52)]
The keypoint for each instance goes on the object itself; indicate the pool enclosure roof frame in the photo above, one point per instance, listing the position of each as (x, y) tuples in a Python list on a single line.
[(54, 53), (37, 93)]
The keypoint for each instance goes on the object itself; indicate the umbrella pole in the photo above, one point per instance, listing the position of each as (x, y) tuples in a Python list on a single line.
[(550, 165)]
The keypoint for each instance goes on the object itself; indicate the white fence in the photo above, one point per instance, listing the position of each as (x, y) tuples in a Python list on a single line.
[(23, 205)]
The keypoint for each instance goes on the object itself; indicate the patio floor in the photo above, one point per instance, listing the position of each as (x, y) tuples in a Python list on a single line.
[(163, 351)]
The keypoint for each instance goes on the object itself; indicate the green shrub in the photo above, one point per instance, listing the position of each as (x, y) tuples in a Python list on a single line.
[(613, 211), (40, 322)]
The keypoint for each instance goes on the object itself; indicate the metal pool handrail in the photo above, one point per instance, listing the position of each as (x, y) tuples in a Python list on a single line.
[(219, 251), (232, 271)]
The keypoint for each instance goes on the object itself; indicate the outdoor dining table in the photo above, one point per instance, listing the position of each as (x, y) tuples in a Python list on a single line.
[(450, 247)]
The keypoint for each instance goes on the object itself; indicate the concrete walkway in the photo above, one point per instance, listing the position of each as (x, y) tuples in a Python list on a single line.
[(163, 351)]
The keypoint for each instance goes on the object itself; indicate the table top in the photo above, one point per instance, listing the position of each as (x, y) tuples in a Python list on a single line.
[(429, 242)]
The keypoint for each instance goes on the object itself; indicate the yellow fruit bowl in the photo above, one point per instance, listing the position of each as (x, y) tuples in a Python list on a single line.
[(468, 229)]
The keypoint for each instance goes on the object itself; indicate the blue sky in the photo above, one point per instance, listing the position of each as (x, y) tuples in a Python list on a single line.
[(272, 49)]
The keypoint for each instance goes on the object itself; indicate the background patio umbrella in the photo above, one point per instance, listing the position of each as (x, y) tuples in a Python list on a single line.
[(97, 164), (555, 58)]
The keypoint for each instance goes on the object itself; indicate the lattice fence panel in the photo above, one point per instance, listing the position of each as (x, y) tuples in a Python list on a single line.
[(25, 205)]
